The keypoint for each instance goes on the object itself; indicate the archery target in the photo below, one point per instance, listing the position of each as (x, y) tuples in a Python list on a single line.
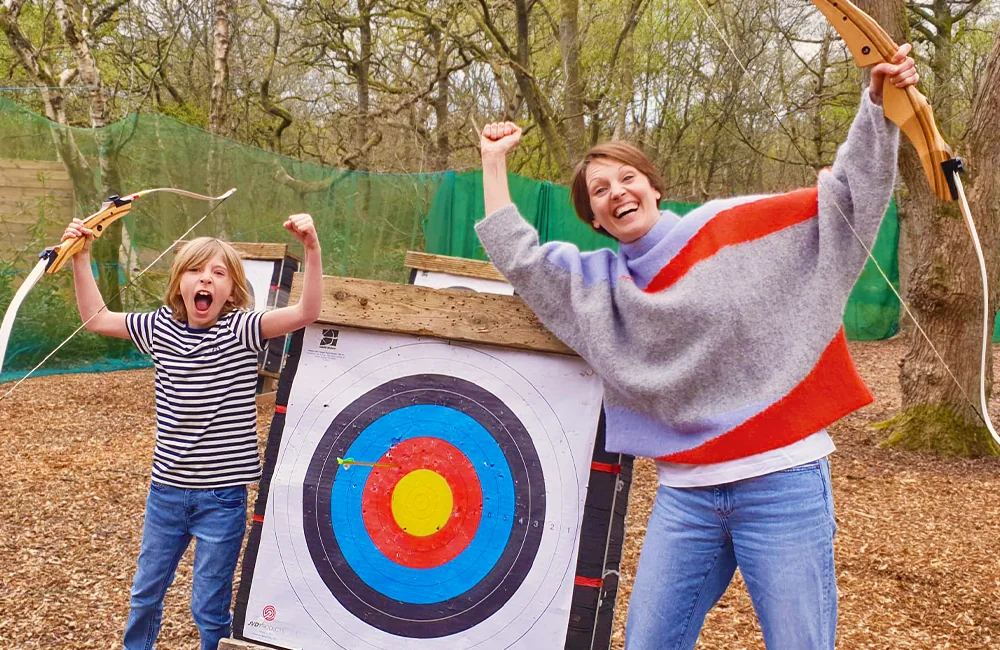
[(425, 493)]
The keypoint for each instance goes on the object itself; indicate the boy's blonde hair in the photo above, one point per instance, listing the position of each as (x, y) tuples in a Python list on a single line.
[(196, 253)]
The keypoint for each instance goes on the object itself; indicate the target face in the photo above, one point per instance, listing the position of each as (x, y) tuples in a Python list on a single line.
[(424, 494), (437, 536)]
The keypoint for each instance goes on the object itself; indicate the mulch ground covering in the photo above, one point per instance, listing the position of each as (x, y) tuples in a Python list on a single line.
[(918, 547)]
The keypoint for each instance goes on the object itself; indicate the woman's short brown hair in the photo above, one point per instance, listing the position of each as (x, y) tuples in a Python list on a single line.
[(621, 151), (196, 253)]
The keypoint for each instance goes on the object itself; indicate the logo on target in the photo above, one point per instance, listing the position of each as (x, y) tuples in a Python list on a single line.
[(269, 613)]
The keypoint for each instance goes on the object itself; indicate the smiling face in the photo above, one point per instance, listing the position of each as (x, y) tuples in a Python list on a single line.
[(616, 189), (622, 199)]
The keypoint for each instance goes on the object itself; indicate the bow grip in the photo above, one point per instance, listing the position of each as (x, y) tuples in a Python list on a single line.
[(98, 222)]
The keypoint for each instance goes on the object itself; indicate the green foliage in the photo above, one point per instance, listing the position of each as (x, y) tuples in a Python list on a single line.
[(187, 113)]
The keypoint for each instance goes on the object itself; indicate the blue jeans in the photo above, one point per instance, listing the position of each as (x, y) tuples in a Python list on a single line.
[(777, 528), (217, 519)]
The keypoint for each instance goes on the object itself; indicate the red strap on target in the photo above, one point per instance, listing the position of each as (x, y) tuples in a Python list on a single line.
[(582, 581), (606, 467)]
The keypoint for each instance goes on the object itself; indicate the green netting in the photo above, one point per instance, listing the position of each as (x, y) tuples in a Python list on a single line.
[(366, 222)]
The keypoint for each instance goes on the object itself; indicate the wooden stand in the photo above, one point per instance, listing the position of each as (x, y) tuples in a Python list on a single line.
[(407, 309)]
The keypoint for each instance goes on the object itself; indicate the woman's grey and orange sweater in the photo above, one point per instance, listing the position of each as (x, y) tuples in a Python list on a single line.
[(718, 336)]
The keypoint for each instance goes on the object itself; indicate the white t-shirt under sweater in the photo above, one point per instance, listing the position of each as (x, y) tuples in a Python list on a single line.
[(206, 414), (679, 475)]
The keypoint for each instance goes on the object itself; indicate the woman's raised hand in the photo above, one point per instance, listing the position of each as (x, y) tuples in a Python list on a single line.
[(76, 230), (498, 138), (901, 72)]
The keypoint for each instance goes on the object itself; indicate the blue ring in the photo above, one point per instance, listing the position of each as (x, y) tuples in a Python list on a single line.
[(455, 577)]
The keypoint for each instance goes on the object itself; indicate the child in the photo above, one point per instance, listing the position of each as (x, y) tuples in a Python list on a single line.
[(204, 346), (719, 343)]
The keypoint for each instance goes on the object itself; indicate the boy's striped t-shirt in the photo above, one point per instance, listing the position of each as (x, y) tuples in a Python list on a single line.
[(206, 414)]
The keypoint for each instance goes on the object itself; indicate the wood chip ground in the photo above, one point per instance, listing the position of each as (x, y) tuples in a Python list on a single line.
[(918, 547)]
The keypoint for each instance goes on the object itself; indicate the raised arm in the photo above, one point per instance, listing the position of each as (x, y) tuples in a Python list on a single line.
[(495, 142), (288, 319), (559, 283), (96, 316), (860, 183)]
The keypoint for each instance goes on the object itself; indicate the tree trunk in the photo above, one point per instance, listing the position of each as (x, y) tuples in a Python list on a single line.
[(220, 79), (554, 140), (106, 250), (942, 97), (442, 146), (284, 117), (569, 43), (361, 73)]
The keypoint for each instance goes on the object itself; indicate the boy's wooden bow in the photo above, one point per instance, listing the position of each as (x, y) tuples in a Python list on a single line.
[(54, 258)]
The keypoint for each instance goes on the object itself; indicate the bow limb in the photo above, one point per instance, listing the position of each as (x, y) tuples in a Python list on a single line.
[(8, 318), (963, 205), (907, 107)]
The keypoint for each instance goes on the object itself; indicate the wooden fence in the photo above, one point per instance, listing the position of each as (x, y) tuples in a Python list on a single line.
[(32, 193)]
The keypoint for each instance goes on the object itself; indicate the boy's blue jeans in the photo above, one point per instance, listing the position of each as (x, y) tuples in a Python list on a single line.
[(777, 528), (217, 519)]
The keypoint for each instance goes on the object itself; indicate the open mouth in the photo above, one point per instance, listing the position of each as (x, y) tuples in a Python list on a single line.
[(623, 211), (202, 300)]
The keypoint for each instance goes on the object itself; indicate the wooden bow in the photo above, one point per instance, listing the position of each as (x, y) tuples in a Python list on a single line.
[(908, 109), (54, 258)]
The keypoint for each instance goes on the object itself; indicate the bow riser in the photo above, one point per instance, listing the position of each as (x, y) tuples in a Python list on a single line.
[(98, 223), (907, 108)]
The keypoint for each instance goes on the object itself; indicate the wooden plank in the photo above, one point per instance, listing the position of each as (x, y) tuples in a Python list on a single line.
[(260, 251), (38, 191), (31, 177), (11, 163), (33, 205), (489, 319), (28, 211), (453, 265)]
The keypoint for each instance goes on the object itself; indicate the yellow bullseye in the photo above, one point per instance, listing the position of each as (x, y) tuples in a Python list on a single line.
[(422, 502)]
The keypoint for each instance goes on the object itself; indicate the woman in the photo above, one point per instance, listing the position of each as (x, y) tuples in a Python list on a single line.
[(718, 339)]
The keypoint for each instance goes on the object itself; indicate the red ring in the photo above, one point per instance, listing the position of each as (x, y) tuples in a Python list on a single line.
[(467, 503)]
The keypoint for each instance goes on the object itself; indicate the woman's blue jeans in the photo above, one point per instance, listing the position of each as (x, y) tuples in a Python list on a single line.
[(217, 520), (777, 528)]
